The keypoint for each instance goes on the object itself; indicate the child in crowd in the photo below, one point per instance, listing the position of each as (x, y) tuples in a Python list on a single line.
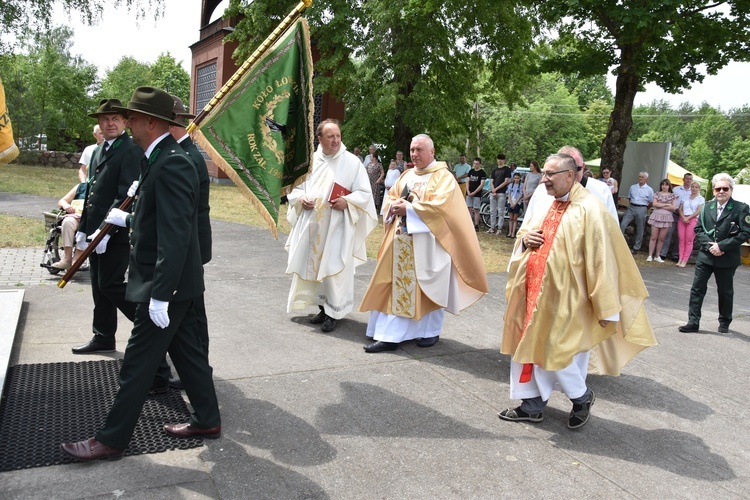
[(515, 197)]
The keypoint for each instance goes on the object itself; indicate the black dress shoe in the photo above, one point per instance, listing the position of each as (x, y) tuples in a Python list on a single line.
[(690, 327), (94, 346), (176, 383), (380, 346), (328, 325), (723, 329), (428, 342), (158, 389), (91, 449), (187, 430), (318, 318)]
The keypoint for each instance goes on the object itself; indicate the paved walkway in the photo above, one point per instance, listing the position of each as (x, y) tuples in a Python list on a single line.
[(310, 415)]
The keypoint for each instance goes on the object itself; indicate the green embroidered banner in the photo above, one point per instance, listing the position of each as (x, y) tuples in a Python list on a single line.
[(261, 133)]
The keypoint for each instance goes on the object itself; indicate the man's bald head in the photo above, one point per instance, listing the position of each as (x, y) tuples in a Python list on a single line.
[(577, 157)]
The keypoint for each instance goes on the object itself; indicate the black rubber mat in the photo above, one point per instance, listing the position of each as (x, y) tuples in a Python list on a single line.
[(48, 404)]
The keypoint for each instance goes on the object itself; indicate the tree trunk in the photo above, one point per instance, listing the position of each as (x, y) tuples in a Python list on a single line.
[(402, 132), (621, 119)]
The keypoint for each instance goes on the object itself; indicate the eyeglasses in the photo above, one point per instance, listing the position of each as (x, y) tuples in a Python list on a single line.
[(722, 188), (550, 174), (579, 168)]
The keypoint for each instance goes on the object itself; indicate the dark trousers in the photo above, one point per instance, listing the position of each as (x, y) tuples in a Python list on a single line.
[(147, 346), (639, 215), (536, 405), (724, 277), (108, 290), (164, 373)]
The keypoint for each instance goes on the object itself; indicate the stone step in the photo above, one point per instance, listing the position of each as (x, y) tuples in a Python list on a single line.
[(11, 302)]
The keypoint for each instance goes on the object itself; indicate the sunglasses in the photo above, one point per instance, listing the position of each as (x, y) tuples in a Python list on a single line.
[(550, 174), (722, 188)]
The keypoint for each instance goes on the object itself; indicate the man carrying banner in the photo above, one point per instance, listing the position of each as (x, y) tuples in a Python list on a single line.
[(429, 261), (165, 277), (331, 214)]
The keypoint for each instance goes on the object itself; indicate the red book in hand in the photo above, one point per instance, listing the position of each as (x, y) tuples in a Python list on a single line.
[(337, 191)]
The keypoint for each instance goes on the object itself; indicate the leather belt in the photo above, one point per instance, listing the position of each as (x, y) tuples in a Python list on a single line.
[(636, 205)]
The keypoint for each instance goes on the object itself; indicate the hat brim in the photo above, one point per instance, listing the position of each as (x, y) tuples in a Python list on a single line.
[(131, 110), (186, 115)]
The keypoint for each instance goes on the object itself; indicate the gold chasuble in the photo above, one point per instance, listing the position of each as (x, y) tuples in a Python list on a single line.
[(420, 273), (557, 293)]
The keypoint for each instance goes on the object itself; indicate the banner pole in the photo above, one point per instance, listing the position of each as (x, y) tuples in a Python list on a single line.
[(268, 42)]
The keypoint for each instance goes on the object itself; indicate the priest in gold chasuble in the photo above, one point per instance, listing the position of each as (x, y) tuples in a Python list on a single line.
[(575, 299), (429, 261)]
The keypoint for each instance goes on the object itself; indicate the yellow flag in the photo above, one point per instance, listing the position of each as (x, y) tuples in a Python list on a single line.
[(8, 148)]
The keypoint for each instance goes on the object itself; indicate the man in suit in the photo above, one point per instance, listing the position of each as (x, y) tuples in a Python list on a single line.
[(113, 168), (723, 225), (164, 376), (165, 278)]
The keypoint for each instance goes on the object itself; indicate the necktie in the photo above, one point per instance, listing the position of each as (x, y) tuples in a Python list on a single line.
[(718, 211), (106, 146)]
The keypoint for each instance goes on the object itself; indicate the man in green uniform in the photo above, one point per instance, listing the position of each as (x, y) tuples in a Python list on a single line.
[(113, 168), (723, 225), (164, 378), (165, 278)]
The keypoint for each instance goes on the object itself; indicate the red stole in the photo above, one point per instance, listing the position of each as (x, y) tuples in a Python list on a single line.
[(535, 266)]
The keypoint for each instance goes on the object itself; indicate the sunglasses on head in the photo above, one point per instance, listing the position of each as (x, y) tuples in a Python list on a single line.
[(722, 188)]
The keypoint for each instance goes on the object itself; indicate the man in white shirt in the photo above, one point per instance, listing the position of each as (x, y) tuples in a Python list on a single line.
[(641, 196), (83, 170)]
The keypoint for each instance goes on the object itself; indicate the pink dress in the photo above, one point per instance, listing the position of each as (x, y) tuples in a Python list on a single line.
[(662, 217)]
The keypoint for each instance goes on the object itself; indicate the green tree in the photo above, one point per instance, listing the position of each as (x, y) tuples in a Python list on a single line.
[(548, 118), (702, 159), (665, 42), (736, 157), (120, 81), (169, 75), (405, 67), (595, 127), (49, 89), (129, 73), (14, 69), (19, 17), (740, 117)]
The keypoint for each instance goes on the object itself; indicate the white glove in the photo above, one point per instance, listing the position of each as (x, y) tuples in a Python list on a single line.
[(102, 246), (81, 242), (116, 217), (157, 310), (132, 189)]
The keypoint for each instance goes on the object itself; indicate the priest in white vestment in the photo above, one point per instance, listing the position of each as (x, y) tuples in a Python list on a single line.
[(429, 261), (331, 214), (573, 287)]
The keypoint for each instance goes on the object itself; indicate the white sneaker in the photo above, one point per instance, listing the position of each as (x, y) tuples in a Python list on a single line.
[(659, 260), (649, 258)]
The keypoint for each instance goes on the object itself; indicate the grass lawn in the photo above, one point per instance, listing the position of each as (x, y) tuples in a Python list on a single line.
[(226, 204)]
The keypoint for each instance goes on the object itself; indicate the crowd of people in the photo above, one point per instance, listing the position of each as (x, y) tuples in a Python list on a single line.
[(569, 249)]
